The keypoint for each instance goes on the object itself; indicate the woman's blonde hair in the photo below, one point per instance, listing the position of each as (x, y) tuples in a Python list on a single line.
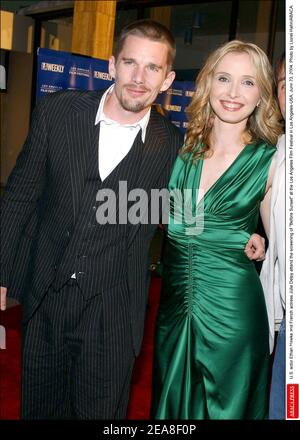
[(263, 124)]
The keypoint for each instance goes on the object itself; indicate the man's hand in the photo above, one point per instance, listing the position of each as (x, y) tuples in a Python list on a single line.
[(255, 248), (3, 298)]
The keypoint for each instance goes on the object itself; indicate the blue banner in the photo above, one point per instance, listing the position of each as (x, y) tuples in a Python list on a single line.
[(61, 70), (174, 102)]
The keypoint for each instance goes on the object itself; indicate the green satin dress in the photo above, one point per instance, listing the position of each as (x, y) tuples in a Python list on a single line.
[(211, 345)]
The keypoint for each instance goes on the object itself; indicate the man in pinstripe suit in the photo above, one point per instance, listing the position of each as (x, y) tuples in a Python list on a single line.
[(84, 310), (85, 305)]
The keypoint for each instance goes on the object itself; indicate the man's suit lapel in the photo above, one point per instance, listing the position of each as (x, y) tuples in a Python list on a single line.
[(155, 153), (82, 138), (154, 157)]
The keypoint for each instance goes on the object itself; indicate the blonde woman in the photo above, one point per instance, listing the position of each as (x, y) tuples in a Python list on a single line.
[(212, 346)]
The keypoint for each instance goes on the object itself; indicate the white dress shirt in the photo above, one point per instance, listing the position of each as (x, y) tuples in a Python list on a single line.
[(115, 140)]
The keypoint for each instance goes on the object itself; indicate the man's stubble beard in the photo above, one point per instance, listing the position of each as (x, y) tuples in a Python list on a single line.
[(133, 106)]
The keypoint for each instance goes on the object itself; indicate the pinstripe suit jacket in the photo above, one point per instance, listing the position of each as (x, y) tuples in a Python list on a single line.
[(46, 187)]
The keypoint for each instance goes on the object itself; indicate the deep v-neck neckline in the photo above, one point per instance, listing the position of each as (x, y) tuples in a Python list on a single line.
[(199, 174)]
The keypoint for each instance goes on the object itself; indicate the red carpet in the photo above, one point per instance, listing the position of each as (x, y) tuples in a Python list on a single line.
[(10, 363), (140, 399)]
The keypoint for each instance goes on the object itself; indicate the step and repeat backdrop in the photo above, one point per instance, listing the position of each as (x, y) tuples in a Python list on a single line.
[(62, 70)]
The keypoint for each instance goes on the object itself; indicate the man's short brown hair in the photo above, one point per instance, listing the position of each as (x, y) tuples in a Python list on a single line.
[(151, 30)]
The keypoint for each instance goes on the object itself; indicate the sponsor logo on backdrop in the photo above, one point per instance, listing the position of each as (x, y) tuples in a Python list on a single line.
[(52, 67), (102, 75)]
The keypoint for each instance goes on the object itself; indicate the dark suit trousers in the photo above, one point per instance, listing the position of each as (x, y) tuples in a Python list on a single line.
[(77, 360)]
